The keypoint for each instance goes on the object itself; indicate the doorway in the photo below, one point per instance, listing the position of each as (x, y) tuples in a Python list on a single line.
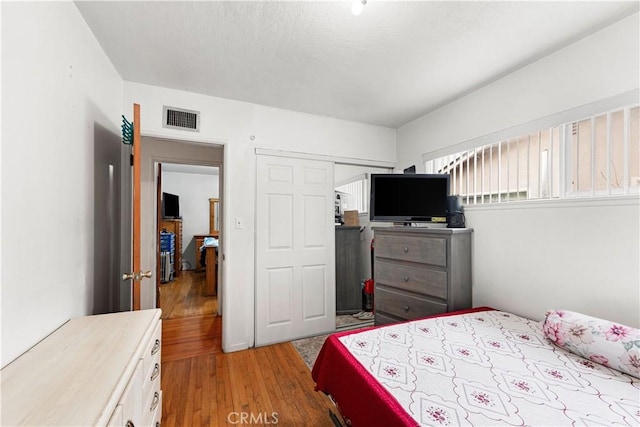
[(159, 151), (188, 235)]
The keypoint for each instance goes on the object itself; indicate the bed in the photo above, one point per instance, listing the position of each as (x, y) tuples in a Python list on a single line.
[(480, 367)]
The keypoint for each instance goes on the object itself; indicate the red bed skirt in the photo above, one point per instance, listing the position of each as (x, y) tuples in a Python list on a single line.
[(361, 399)]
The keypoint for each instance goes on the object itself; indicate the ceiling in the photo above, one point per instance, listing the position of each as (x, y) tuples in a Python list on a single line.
[(392, 64)]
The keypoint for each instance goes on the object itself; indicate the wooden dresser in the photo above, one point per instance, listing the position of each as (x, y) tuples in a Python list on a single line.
[(199, 238), (210, 287), (174, 226), (420, 272), (94, 370)]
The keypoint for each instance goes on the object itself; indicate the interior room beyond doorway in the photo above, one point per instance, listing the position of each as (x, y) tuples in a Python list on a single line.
[(188, 218)]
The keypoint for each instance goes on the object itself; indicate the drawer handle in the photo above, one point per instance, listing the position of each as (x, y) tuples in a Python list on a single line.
[(406, 278), (156, 400), (156, 347), (130, 424), (405, 249), (405, 308), (156, 372)]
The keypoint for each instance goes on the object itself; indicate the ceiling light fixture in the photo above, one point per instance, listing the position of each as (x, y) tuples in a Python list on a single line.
[(358, 6)]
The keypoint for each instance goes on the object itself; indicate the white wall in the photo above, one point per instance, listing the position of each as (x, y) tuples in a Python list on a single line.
[(568, 255), (232, 124), (195, 190), (59, 93), (574, 255)]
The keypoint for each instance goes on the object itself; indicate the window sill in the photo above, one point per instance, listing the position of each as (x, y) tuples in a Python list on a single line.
[(622, 200)]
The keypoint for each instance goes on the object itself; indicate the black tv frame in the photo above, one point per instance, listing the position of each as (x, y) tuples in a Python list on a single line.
[(174, 200), (413, 209)]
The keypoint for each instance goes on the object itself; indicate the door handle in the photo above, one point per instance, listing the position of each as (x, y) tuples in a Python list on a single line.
[(137, 276)]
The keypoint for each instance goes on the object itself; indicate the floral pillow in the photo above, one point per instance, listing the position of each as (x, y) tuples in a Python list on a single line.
[(610, 344)]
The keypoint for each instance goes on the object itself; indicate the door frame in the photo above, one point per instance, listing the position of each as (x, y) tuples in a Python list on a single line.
[(334, 159), (149, 193)]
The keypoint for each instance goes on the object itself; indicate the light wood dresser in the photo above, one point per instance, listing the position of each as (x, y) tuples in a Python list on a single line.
[(94, 370), (420, 271)]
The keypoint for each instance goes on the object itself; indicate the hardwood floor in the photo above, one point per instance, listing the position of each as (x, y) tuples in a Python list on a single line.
[(202, 386), (191, 336), (184, 297)]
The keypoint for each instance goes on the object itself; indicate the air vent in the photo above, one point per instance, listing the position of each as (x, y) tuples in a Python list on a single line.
[(179, 118)]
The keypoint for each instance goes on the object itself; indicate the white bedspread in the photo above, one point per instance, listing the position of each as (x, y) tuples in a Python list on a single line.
[(491, 368)]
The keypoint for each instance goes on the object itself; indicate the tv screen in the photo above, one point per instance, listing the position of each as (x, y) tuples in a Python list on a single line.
[(409, 197), (170, 205)]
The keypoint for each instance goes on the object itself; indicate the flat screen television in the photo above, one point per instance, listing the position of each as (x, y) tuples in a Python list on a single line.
[(170, 205), (409, 197)]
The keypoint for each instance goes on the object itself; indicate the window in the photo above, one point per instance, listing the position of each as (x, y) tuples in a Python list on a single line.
[(354, 193), (595, 156), (605, 154)]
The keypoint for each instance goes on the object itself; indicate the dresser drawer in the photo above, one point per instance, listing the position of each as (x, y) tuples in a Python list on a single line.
[(153, 409), (152, 377), (153, 349), (411, 278), (405, 306), (151, 387), (155, 417), (427, 250)]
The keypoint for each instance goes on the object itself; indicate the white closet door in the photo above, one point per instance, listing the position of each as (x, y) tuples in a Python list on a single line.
[(295, 255)]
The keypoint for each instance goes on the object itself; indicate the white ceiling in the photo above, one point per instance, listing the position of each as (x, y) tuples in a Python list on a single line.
[(392, 64)]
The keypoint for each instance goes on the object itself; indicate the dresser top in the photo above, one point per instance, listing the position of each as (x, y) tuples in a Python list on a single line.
[(430, 230), (76, 375)]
